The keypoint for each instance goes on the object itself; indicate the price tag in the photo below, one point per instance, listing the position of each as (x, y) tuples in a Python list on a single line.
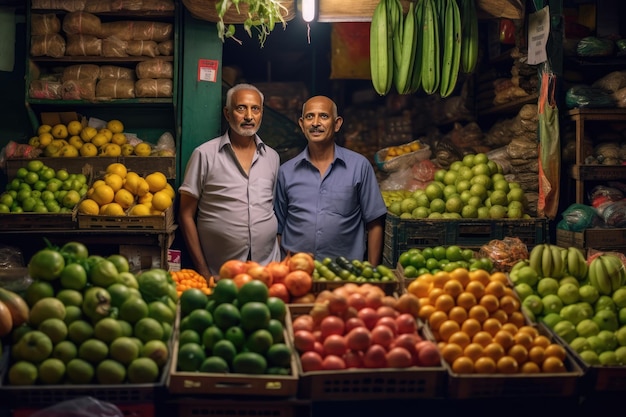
[(207, 70), (538, 31)]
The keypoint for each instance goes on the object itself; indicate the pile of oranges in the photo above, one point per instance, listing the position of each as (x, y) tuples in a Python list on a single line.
[(189, 278), (476, 319)]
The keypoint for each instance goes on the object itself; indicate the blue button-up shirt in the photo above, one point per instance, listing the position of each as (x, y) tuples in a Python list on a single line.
[(327, 216)]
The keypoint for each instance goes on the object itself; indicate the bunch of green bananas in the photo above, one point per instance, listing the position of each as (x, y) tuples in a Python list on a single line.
[(607, 273), (556, 262), (426, 48)]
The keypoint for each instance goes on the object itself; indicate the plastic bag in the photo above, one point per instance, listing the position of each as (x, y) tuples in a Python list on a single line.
[(578, 217), (80, 407), (614, 214), (601, 196), (593, 46), (586, 96), (504, 253)]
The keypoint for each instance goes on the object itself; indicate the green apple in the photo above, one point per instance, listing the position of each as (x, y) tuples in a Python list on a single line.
[(34, 346), (587, 327), (606, 320)]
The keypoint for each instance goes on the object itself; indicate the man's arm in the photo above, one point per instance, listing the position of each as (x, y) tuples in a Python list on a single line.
[(375, 240), (187, 223)]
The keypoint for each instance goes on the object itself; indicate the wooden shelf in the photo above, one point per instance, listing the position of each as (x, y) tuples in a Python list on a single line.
[(510, 107)]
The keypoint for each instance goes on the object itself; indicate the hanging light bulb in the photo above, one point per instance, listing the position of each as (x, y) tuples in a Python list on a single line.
[(309, 10)]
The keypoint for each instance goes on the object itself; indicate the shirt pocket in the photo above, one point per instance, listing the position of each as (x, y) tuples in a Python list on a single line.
[(262, 192), (343, 200)]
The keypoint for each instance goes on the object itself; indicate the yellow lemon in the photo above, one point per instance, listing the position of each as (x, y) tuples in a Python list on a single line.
[(59, 131), (119, 139), (76, 141), (161, 200), (88, 149), (115, 126), (146, 198), (103, 194), (95, 185), (88, 133), (131, 182), (88, 206), (74, 127), (139, 210), (124, 198), (114, 209), (110, 149), (114, 181), (142, 187), (44, 129), (117, 168), (45, 139), (156, 181), (34, 142), (128, 149), (170, 190), (106, 132), (100, 139), (143, 149), (68, 151), (155, 212)]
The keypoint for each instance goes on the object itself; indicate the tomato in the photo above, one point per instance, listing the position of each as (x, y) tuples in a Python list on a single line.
[(73, 251), (46, 264)]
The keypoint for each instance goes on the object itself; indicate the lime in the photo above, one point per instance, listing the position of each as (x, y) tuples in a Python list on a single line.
[(199, 320), (214, 364), (210, 337), (254, 290), (188, 336), (277, 330), (279, 354), (226, 315), (225, 349), (254, 316), (192, 299), (225, 291), (190, 357), (259, 341), (249, 363)]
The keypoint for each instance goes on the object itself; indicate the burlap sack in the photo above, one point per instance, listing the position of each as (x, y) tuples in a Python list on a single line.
[(52, 45), (114, 47), (44, 24), (48, 90), (81, 72), (67, 5), (79, 90), (142, 48), (115, 88), (83, 45), (153, 5), (81, 23), (113, 72), (153, 87), (166, 48), (137, 30), (98, 6), (155, 68)]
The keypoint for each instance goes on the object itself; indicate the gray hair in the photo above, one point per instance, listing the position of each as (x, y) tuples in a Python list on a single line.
[(238, 87)]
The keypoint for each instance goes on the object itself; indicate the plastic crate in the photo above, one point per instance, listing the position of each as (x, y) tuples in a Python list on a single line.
[(389, 287), (247, 408), (128, 410), (404, 234), (367, 384)]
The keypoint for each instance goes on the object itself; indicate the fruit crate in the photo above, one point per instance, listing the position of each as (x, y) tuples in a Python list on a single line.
[(566, 384), (190, 383), (39, 221), (251, 407), (127, 410), (163, 221), (367, 384), (596, 238), (404, 234)]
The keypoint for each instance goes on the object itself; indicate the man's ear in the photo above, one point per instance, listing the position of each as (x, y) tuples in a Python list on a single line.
[(226, 113), (338, 123), (301, 123)]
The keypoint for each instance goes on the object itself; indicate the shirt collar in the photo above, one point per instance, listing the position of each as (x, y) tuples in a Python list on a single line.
[(225, 139), (340, 156)]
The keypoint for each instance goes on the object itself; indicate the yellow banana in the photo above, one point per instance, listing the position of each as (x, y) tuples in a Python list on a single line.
[(546, 262), (535, 257), (469, 42), (451, 48)]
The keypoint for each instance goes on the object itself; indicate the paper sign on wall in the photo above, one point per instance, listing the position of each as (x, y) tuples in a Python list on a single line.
[(538, 31), (207, 70)]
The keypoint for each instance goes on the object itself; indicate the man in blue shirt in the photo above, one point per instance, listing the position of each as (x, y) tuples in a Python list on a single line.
[(328, 201)]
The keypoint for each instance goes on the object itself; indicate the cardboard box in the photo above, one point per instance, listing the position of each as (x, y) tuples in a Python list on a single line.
[(141, 257)]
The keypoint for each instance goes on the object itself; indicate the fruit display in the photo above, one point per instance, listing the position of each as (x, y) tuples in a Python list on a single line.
[(477, 320), (91, 321), (342, 269), (290, 279), (74, 139), (37, 188), (233, 330), (358, 326), (188, 278), (419, 261), (472, 188), (583, 301), (122, 192)]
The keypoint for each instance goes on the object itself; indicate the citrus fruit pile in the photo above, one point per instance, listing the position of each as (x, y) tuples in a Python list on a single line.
[(233, 330), (473, 188), (92, 321), (477, 320), (121, 192), (38, 188), (591, 321), (189, 278), (419, 261), (358, 326)]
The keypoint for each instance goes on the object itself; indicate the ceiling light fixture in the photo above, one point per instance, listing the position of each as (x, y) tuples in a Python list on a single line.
[(309, 10)]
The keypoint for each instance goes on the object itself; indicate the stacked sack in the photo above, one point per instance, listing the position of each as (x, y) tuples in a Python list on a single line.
[(103, 6)]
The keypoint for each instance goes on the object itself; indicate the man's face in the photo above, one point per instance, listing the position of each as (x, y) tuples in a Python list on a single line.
[(244, 117), (318, 122)]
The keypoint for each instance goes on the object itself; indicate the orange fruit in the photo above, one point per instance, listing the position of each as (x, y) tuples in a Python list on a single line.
[(524, 339), (434, 294), (419, 287), (491, 326), (440, 278), (473, 351), (453, 287), (490, 302), (466, 300), (536, 354), (500, 315), (510, 327), (510, 291), (425, 311), (532, 331), (459, 338), (480, 275), (507, 365), (458, 314), (447, 328), (517, 318), (504, 338), (519, 353), (463, 365), (476, 288), (499, 276), (553, 364), (451, 351), (495, 288), (530, 368), (461, 275), (555, 350), (479, 313), (509, 304), (436, 319), (542, 341), (444, 302), (485, 365), (471, 326), (494, 351), (482, 338)]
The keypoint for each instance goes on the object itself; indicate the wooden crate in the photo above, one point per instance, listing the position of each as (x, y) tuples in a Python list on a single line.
[(596, 238), (154, 222)]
